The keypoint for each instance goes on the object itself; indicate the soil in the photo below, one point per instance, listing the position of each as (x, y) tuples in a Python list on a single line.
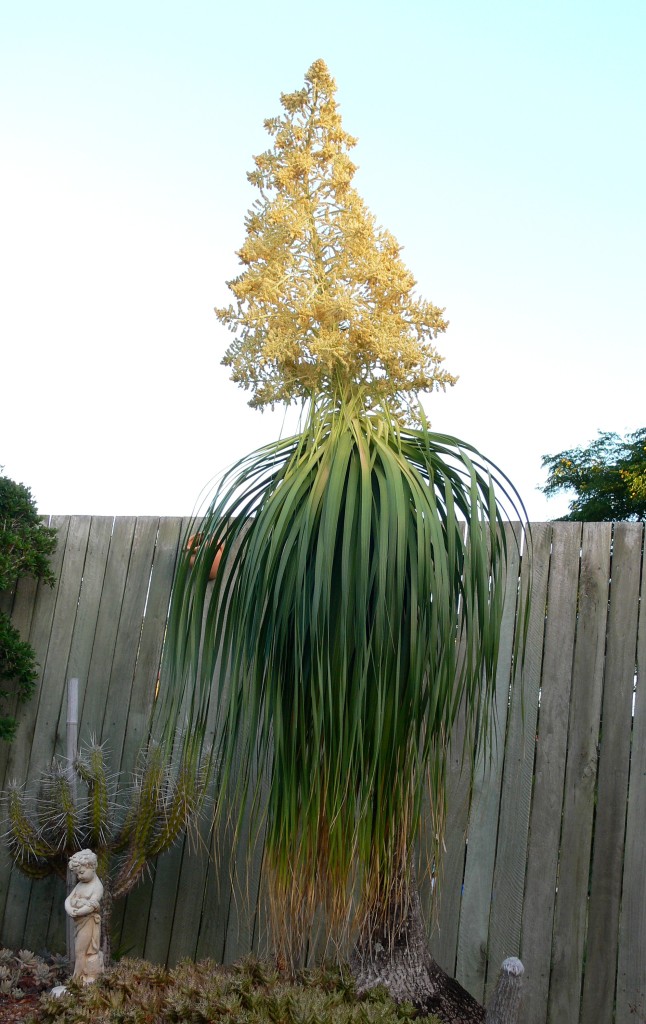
[(14, 1011)]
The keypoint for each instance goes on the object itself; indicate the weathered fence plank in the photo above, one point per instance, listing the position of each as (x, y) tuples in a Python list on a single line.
[(87, 613), (94, 687), (148, 655), (549, 770), (35, 909), (631, 968), (128, 636), (511, 853), (48, 740), (245, 885), (570, 912), (444, 930), (616, 726), (149, 906), (485, 803)]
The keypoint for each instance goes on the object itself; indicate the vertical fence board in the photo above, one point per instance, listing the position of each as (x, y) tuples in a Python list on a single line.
[(616, 723), (29, 735), (485, 804), (178, 890), (511, 853), (163, 933), (217, 895), (190, 905), (129, 634), (152, 638), (87, 615), (47, 739), (218, 929), (147, 908), (444, 933), (94, 689), (631, 972), (137, 922), (245, 880), (549, 771), (570, 912), (131, 916)]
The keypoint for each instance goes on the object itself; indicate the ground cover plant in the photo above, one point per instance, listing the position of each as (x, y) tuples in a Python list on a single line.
[(23, 977), (252, 992), (24, 972)]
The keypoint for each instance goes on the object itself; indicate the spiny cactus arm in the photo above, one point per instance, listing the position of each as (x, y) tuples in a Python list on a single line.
[(29, 851), (182, 806), (138, 830), (57, 810), (129, 874), (90, 766), (168, 802), (121, 840)]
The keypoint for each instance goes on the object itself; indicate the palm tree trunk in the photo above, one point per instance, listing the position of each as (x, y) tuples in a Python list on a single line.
[(404, 965)]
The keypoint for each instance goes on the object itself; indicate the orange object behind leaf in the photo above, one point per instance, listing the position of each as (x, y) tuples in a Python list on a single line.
[(193, 544)]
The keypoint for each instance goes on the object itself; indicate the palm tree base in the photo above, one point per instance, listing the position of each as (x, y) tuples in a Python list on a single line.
[(405, 967)]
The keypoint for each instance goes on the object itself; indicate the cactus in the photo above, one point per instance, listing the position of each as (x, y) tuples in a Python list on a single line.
[(126, 829)]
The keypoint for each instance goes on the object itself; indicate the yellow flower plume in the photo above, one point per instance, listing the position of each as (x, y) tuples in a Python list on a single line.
[(324, 305)]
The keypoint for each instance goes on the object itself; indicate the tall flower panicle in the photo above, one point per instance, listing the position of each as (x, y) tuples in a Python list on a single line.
[(324, 305), (358, 597)]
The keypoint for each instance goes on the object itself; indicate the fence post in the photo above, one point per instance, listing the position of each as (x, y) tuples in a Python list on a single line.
[(70, 753)]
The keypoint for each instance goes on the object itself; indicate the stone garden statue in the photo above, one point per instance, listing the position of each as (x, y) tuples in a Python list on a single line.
[(83, 906)]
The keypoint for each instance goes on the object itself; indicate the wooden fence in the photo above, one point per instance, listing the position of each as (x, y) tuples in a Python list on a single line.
[(545, 855)]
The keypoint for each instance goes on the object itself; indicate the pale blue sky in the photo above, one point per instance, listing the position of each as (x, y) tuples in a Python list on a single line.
[(503, 144)]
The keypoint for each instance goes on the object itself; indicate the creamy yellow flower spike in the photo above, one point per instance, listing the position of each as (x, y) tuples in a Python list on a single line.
[(324, 305)]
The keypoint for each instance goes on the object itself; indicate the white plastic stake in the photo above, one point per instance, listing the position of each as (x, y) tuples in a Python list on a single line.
[(71, 752)]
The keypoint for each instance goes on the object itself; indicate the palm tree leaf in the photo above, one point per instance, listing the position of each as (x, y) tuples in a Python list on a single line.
[(357, 607)]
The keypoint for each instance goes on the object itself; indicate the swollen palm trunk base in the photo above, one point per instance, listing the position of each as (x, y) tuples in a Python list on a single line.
[(403, 964)]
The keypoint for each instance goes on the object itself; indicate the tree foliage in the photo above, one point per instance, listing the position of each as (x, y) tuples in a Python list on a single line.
[(25, 546), (324, 303), (608, 477)]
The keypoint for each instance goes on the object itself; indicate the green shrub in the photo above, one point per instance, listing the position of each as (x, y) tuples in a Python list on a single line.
[(25, 546)]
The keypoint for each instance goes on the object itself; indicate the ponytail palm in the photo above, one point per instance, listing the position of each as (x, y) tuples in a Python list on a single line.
[(358, 601), (358, 609)]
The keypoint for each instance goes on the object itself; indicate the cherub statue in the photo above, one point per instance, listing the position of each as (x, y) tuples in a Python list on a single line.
[(82, 905)]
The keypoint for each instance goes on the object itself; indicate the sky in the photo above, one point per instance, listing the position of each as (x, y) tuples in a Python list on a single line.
[(501, 141)]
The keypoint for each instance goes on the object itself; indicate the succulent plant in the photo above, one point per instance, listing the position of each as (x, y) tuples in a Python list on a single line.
[(126, 828), (251, 992), (24, 972)]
